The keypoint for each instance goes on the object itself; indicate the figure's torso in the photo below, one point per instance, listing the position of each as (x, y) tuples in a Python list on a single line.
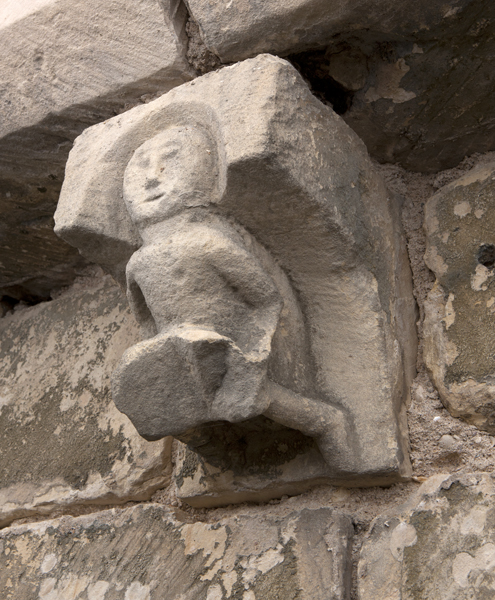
[(202, 275)]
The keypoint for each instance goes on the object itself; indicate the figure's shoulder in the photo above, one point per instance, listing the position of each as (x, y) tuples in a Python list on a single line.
[(206, 239), (135, 262), (148, 256), (145, 251)]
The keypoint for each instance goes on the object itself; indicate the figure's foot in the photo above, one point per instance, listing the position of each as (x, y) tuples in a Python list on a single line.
[(164, 384), (327, 424), (177, 381)]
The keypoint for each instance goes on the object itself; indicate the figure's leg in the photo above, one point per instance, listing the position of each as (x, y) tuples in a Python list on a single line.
[(184, 378), (166, 384), (325, 423)]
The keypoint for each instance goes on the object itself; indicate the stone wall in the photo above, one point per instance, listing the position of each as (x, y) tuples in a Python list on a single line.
[(258, 509)]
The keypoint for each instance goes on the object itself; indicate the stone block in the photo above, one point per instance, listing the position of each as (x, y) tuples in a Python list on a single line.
[(440, 544), (146, 553), (63, 443), (459, 328), (264, 260), (239, 29), (383, 64), (65, 65), (417, 106)]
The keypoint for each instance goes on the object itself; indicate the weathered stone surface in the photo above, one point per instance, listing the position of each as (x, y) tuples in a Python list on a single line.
[(62, 440), (402, 72), (440, 544), (265, 265), (459, 328), (240, 29), (253, 463), (417, 107), (145, 553), (65, 65)]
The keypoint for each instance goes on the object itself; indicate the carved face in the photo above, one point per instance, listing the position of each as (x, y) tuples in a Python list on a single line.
[(174, 170)]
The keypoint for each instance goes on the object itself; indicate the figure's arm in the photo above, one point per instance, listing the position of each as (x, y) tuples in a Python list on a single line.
[(138, 304), (243, 272), (325, 423)]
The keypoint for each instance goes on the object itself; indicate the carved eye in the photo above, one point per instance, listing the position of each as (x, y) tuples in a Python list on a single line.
[(169, 153), (144, 162), (151, 184)]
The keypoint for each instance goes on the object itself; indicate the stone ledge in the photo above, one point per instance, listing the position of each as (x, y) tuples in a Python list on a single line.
[(67, 64), (146, 553)]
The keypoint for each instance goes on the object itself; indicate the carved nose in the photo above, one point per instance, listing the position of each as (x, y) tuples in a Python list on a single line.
[(151, 183)]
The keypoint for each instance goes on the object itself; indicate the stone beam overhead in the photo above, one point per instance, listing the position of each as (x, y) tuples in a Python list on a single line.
[(65, 65), (66, 53), (259, 245), (242, 28)]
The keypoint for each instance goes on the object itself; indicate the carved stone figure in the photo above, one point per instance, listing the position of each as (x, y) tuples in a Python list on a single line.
[(211, 299), (264, 261)]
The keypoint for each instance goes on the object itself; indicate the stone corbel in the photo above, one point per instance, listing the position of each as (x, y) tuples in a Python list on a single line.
[(263, 258)]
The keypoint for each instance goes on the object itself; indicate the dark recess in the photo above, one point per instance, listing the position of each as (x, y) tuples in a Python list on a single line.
[(314, 66), (486, 255), (16, 295)]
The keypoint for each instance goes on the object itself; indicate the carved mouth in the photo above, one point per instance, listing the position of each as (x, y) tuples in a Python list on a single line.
[(153, 198)]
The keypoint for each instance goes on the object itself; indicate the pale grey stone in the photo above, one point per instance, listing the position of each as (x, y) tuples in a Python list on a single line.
[(383, 64), (62, 53), (440, 545), (147, 553), (459, 328), (447, 442), (263, 259), (65, 65), (236, 30), (63, 443)]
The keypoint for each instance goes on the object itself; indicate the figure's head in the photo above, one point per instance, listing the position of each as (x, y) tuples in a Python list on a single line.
[(174, 170)]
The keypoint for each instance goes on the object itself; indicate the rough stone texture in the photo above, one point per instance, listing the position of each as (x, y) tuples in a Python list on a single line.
[(323, 241), (65, 65), (402, 72), (251, 464), (428, 420), (145, 553), (417, 106), (63, 441), (239, 29), (198, 54), (440, 544), (459, 327)]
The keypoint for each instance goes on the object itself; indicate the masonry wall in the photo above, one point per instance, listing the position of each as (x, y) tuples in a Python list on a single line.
[(90, 510)]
